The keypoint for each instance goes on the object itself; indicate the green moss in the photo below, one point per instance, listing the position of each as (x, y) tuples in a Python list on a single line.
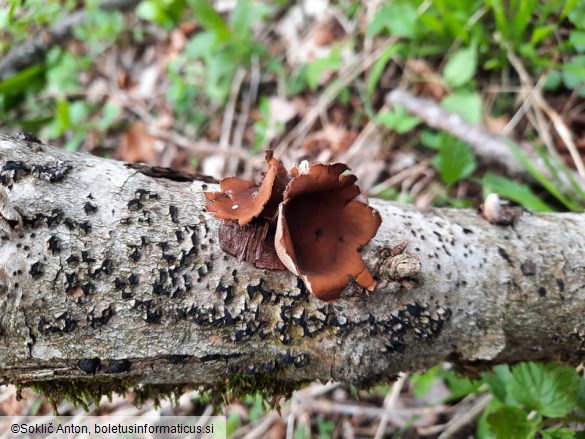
[(79, 391), (269, 384), (84, 391)]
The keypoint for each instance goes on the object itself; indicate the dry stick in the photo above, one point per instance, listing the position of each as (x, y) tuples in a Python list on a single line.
[(491, 148), (33, 50), (457, 423), (554, 117), (331, 408), (228, 118), (389, 403)]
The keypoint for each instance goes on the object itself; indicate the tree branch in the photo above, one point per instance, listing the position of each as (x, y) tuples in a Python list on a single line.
[(119, 274)]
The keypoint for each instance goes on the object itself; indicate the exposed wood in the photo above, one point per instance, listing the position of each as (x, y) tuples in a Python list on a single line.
[(119, 274)]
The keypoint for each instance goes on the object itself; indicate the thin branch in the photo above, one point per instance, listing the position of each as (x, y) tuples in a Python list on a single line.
[(489, 147)]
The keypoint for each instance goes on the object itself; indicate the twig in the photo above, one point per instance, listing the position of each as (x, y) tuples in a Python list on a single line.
[(33, 49), (458, 422), (555, 118), (228, 118), (329, 408), (489, 147), (389, 403)]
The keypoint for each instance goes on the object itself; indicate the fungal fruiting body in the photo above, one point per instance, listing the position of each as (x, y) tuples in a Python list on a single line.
[(313, 217)]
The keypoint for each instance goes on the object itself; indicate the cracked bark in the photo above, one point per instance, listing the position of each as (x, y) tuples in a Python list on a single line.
[(116, 273)]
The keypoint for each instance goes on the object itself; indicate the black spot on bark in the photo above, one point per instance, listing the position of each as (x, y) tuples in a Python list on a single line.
[(135, 255), (89, 208), (176, 359), (36, 270), (86, 258), (504, 254), (174, 212), (118, 366), (54, 244), (134, 205), (542, 292), (560, 284), (89, 365), (72, 260)]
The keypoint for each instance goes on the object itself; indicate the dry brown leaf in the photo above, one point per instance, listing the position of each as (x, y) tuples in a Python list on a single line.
[(428, 81), (137, 145), (332, 137)]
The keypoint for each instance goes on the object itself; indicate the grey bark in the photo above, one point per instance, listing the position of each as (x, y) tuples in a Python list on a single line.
[(114, 265)]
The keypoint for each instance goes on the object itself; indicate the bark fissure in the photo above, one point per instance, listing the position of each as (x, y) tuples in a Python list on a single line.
[(115, 272)]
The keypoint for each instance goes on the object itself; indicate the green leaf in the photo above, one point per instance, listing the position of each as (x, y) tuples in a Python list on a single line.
[(379, 65), (211, 20), (553, 80), (574, 74), (466, 104), (498, 380), (110, 113), (317, 67), (557, 433), (460, 386), (541, 178), (520, 193), (22, 80), (455, 160), (510, 423), (246, 14), (398, 120), (581, 395), (422, 382), (550, 390), (461, 66), (577, 38), (399, 18)]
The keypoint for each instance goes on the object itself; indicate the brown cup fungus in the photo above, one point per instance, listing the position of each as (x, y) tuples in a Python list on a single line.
[(311, 218)]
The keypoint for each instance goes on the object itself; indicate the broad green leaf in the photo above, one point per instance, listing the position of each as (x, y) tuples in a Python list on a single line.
[(423, 381), (317, 67), (510, 423), (431, 139), (398, 120), (577, 38), (498, 380), (553, 80), (466, 104), (399, 18), (461, 66), (110, 113), (581, 396), (520, 193), (455, 160), (246, 14), (574, 72), (551, 391), (211, 20), (460, 386), (22, 80), (557, 433)]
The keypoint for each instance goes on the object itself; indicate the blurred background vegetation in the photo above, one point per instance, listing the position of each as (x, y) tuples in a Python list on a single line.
[(207, 86)]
